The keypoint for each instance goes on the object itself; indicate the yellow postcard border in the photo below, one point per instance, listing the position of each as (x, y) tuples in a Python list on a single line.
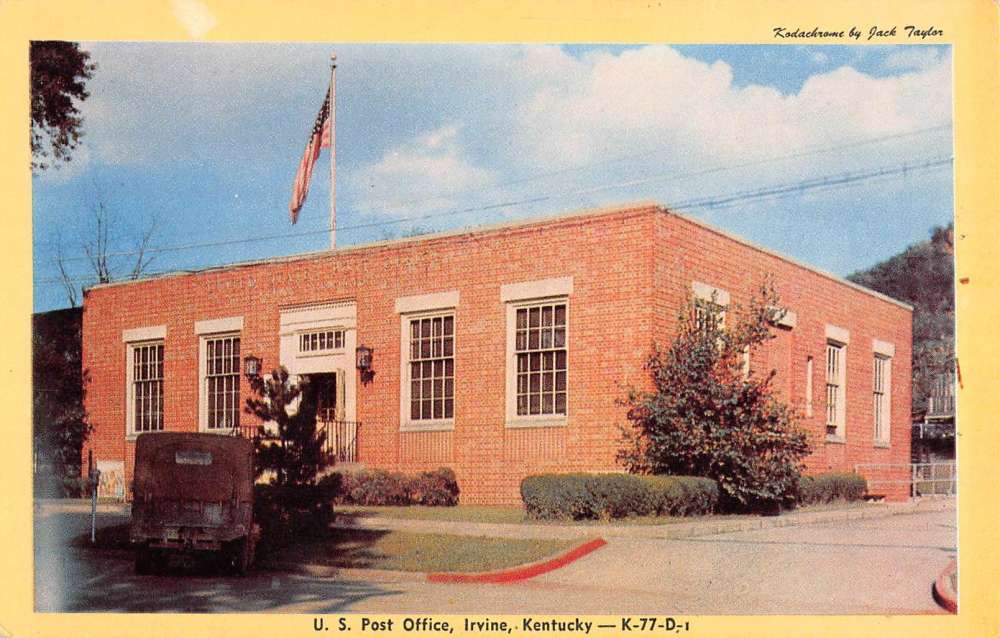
[(971, 26)]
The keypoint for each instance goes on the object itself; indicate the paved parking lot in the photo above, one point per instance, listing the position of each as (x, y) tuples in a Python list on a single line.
[(875, 566)]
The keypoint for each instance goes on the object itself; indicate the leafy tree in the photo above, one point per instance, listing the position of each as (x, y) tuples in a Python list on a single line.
[(923, 276), (59, 421), (59, 74), (708, 415), (293, 453)]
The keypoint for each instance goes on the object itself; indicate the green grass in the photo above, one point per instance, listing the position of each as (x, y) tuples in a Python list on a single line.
[(464, 513), (406, 551), (379, 549), (517, 515)]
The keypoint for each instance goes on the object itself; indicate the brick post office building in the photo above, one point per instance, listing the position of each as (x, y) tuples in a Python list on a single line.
[(499, 352)]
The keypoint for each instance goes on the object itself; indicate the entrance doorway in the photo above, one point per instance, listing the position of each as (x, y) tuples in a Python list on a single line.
[(323, 390), (327, 391)]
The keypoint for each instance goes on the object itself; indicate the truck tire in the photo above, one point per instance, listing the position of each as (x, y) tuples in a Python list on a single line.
[(241, 556), (144, 562)]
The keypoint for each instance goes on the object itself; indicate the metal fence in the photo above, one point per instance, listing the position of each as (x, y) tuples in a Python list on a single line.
[(919, 479), (340, 438)]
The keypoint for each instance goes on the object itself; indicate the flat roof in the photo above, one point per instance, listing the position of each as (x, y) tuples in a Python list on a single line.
[(501, 226)]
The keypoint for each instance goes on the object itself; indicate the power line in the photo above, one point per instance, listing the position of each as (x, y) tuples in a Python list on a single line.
[(718, 201), (811, 184), (658, 151), (531, 200)]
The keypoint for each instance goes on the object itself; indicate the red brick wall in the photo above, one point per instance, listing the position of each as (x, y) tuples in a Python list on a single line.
[(631, 269), (610, 322), (687, 251)]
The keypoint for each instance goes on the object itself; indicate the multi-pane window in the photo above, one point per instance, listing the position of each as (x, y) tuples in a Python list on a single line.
[(432, 368), (540, 354), (809, 386), (707, 312), (321, 340), (147, 387), (880, 397), (222, 382), (834, 388)]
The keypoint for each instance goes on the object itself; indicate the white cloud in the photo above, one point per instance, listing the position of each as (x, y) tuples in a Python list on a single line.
[(655, 97), (525, 112), (431, 170)]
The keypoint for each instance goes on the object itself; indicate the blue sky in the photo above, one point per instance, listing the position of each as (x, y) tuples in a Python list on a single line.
[(203, 141)]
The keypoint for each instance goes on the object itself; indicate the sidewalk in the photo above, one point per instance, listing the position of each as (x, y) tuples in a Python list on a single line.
[(704, 527)]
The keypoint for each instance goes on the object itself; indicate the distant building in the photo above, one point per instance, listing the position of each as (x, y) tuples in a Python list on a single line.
[(934, 427), (499, 352)]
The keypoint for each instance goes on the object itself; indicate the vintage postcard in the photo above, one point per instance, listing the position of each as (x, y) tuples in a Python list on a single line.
[(510, 322)]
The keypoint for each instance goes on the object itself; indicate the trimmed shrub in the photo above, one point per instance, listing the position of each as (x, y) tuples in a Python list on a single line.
[(437, 488), (376, 487), (609, 496), (380, 487), (552, 496), (831, 486), (684, 495)]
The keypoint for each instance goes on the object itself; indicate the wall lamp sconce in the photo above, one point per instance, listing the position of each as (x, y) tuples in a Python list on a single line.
[(251, 366), (364, 358)]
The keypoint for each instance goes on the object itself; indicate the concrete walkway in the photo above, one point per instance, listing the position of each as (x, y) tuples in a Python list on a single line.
[(875, 563), (674, 530)]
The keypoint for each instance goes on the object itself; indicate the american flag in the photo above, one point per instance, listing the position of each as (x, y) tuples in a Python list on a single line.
[(318, 139)]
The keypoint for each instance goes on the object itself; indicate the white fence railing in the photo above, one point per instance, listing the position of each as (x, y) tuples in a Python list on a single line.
[(919, 479)]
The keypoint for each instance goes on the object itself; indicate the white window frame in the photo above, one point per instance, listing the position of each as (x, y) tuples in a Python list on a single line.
[(707, 300), (515, 420), (424, 306), (525, 294), (838, 421), (406, 423), (130, 348), (881, 398), (882, 355), (203, 380), (809, 387), (334, 332)]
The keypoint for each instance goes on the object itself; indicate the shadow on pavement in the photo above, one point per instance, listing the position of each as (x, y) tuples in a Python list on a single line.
[(70, 575)]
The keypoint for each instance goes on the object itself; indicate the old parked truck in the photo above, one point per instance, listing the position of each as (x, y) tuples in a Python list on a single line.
[(192, 493)]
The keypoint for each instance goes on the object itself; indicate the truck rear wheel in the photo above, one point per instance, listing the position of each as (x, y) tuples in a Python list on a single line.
[(241, 556), (145, 561)]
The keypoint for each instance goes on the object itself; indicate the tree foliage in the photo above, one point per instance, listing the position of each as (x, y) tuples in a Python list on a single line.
[(59, 74), (292, 452), (923, 276), (59, 421), (707, 415)]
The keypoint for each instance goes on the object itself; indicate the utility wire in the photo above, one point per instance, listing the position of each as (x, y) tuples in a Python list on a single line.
[(671, 176), (719, 201)]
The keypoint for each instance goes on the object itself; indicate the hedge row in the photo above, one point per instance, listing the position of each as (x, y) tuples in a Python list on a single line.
[(379, 487), (831, 486), (607, 496)]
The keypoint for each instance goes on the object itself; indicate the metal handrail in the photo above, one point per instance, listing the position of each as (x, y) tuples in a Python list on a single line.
[(339, 438), (922, 479)]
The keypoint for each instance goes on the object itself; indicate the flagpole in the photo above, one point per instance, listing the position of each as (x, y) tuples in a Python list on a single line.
[(333, 151)]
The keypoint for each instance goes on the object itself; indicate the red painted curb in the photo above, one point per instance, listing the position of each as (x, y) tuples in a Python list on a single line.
[(522, 572), (943, 592)]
